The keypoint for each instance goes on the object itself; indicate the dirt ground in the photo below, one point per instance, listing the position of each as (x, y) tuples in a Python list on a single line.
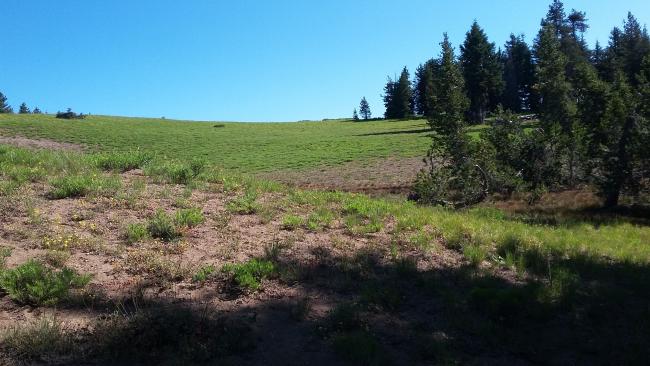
[(39, 143), (382, 176)]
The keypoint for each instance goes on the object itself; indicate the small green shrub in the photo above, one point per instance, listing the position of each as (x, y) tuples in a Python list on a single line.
[(244, 205), (122, 161), (291, 222), (161, 226), (249, 275), (190, 217), (71, 186), (136, 232), (33, 283), (203, 273)]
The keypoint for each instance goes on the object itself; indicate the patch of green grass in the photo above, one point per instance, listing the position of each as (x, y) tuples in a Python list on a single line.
[(242, 147), (249, 275), (121, 161), (203, 273), (161, 226), (70, 186), (136, 232), (190, 217), (244, 205), (291, 222), (33, 283), (320, 219), (475, 254)]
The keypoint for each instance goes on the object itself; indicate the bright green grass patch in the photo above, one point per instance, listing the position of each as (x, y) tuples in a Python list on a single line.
[(249, 275), (242, 147), (291, 222), (136, 232)]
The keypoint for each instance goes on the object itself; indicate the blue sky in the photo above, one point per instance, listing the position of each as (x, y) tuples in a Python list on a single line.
[(244, 60)]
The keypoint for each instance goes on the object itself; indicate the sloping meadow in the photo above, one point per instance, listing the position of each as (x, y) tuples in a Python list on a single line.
[(127, 254)]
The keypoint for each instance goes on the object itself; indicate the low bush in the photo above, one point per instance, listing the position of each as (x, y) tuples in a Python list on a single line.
[(35, 284), (161, 226), (135, 233)]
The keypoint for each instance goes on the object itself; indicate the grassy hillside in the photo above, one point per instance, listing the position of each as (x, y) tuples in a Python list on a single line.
[(182, 263), (245, 147)]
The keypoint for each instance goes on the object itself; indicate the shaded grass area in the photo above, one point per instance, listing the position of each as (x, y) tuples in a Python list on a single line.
[(428, 285), (242, 147)]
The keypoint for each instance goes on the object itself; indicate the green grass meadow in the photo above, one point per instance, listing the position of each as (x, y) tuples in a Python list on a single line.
[(243, 147)]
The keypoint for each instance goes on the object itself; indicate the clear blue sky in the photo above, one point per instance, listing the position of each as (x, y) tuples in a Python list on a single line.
[(244, 60)]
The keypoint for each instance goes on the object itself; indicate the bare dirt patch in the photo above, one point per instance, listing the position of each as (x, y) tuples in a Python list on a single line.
[(20, 141), (389, 175)]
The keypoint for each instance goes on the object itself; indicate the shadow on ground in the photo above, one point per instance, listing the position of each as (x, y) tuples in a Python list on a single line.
[(370, 310)]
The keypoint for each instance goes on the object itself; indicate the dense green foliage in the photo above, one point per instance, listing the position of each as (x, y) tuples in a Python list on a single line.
[(593, 126), (398, 97), (482, 72)]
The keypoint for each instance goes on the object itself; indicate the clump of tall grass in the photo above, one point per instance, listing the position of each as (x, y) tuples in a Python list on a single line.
[(121, 161), (34, 283)]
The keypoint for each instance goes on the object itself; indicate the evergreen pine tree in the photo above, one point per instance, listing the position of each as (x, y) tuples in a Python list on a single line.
[(355, 115), (482, 72), (452, 178), (390, 99), (518, 76), (423, 88), (4, 107), (23, 109), (364, 109), (36, 111), (403, 95), (557, 108)]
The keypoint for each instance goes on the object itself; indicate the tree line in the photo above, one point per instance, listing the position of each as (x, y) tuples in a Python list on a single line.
[(593, 107), (22, 109)]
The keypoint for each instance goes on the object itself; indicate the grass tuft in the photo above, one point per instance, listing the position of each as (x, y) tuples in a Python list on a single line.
[(35, 284), (249, 275)]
